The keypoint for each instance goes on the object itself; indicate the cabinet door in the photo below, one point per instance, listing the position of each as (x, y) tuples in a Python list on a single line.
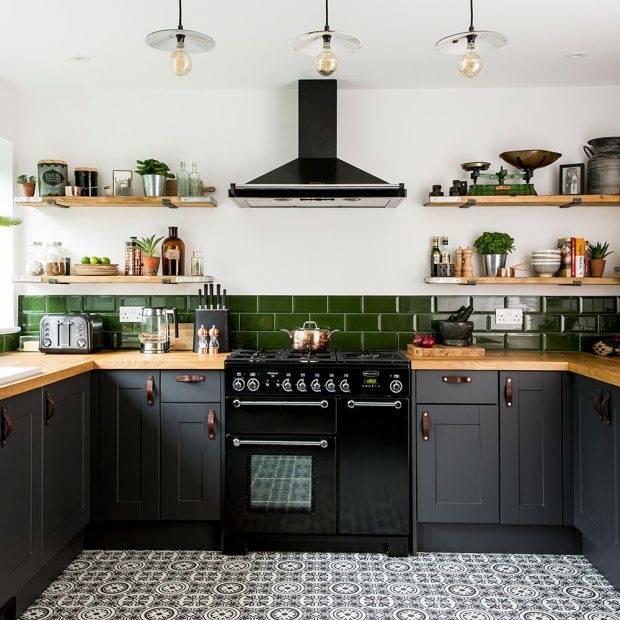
[(530, 424), (458, 463), (20, 492), (65, 462), (129, 445), (190, 461), (593, 465)]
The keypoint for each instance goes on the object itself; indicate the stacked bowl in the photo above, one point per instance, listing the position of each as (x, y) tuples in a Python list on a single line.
[(545, 263)]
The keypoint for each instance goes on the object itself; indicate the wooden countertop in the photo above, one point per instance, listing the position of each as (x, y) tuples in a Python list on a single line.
[(57, 367)]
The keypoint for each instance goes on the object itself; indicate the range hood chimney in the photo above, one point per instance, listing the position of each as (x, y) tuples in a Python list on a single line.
[(317, 178)]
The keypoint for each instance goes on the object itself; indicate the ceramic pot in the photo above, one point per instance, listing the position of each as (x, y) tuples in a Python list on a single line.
[(597, 267), (493, 264), (28, 189), (154, 184), (150, 265)]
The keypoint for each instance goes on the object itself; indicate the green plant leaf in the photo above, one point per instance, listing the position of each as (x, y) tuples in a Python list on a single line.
[(494, 243), (5, 220)]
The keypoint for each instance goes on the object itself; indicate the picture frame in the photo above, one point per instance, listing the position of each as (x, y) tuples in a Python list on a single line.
[(572, 179), (122, 182)]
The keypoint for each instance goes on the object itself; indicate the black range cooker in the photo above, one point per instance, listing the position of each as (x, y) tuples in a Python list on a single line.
[(317, 451)]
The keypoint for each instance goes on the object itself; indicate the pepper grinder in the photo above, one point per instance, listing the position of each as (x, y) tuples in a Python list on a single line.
[(214, 345), (203, 347), (458, 263), (468, 263)]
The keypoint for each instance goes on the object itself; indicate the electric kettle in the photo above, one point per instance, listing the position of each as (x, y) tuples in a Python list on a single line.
[(155, 329)]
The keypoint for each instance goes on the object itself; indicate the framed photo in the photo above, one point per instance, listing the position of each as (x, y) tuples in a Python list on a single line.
[(572, 179), (122, 181)]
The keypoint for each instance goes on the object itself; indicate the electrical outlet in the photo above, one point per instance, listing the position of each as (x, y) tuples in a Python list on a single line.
[(509, 316), (130, 314)]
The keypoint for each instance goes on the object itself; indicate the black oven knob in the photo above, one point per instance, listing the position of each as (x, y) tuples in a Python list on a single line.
[(330, 386), (238, 384), (286, 385), (344, 386), (301, 385), (315, 385), (253, 384), (396, 386)]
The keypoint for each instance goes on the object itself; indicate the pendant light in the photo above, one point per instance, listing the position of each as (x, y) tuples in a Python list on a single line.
[(325, 44), (180, 42), (468, 45)]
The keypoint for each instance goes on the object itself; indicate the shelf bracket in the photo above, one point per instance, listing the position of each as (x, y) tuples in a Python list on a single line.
[(471, 202), (54, 280), (168, 203), (167, 280), (51, 202), (573, 203)]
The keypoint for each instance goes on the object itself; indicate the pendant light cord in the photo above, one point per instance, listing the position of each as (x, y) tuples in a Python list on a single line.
[(471, 15), (180, 15), (326, 14)]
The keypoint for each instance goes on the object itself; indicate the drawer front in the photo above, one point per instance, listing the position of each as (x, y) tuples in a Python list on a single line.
[(457, 386), (190, 386)]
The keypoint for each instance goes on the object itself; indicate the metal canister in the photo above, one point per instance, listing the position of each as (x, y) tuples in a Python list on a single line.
[(88, 179), (53, 176), (603, 166)]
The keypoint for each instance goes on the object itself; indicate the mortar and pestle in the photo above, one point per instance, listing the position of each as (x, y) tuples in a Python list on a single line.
[(456, 330)]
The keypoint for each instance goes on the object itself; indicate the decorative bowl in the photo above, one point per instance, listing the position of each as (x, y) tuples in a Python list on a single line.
[(545, 268)]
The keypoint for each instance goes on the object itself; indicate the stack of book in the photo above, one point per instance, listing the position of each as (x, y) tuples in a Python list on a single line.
[(575, 262)]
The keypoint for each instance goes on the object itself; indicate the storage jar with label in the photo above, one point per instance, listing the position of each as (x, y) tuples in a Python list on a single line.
[(53, 176), (55, 259), (88, 179)]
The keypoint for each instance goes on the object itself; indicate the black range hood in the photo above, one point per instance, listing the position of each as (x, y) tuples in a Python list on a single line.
[(317, 178)]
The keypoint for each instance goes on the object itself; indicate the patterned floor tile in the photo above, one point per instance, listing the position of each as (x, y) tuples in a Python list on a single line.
[(205, 585)]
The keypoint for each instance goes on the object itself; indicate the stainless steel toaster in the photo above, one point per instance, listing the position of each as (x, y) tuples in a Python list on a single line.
[(70, 333)]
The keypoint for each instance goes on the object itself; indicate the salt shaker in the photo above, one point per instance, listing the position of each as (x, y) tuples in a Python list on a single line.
[(214, 345), (203, 347)]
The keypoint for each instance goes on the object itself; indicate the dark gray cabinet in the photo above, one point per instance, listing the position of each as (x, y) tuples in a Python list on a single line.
[(20, 492), (530, 425), (458, 463), (129, 406), (65, 460), (190, 460)]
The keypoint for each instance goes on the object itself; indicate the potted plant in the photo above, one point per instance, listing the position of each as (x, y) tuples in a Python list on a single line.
[(597, 253), (28, 184), (150, 262), (494, 248), (154, 174)]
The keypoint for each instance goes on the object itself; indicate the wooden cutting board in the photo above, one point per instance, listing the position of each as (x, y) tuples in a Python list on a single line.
[(440, 350), (185, 341)]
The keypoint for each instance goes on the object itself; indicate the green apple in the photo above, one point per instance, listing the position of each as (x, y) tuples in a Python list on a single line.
[(94, 260), (85, 260), (104, 260)]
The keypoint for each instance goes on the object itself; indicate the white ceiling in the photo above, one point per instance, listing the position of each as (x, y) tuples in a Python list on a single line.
[(254, 43)]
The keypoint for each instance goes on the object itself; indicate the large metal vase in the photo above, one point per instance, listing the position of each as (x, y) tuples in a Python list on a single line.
[(493, 264), (603, 166), (154, 184)]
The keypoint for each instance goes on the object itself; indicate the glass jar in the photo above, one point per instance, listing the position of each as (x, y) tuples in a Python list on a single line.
[(198, 264), (54, 259), (35, 259)]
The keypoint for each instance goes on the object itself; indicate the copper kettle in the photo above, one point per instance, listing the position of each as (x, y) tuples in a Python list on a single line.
[(310, 338)]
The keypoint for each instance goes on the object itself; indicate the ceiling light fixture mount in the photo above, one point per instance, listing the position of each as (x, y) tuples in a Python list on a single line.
[(80, 58), (325, 44), (181, 43), (576, 55), (468, 45)]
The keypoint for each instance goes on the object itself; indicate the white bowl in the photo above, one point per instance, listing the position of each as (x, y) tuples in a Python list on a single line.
[(545, 270)]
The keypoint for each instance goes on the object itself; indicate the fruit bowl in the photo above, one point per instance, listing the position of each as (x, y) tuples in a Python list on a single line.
[(96, 270)]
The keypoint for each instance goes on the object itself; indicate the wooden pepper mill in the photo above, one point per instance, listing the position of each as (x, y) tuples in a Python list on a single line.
[(458, 263), (468, 263)]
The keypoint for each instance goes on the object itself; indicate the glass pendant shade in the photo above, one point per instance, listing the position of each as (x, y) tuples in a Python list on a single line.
[(485, 41), (166, 40), (311, 43)]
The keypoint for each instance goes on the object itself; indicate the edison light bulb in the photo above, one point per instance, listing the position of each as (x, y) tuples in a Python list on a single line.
[(470, 62), (180, 60), (326, 61)]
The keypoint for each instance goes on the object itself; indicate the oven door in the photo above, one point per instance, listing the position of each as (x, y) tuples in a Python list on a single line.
[(280, 484)]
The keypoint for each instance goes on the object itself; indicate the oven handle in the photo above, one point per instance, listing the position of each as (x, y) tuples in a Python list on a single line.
[(266, 442), (396, 404), (323, 404)]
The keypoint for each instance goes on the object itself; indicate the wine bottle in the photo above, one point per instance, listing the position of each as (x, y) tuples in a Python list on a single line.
[(435, 256)]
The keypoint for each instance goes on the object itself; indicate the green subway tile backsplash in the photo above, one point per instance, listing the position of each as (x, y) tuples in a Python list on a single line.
[(371, 321)]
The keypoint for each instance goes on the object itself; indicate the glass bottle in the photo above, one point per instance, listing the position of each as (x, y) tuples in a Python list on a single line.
[(183, 181), (198, 264), (35, 259), (54, 259), (445, 252), (195, 182), (435, 256), (173, 254)]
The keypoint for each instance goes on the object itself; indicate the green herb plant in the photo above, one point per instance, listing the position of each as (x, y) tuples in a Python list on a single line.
[(24, 178), (599, 250), (6, 221), (153, 166), (149, 244), (494, 243)]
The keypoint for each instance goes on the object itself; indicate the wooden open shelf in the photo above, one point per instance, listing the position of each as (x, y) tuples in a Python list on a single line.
[(65, 202), (113, 279), (563, 202), (611, 281)]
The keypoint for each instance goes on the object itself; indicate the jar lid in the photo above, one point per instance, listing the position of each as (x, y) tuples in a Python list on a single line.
[(86, 169), (53, 161)]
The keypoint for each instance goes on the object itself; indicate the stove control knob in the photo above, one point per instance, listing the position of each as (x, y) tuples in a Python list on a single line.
[(286, 385), (253, 384), (238, 384), (330, 386), (315, 385), (396, 386), (344, 386), (301, 385)]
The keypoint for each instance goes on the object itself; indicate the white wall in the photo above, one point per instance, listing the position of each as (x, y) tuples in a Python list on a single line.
[(416, 136)]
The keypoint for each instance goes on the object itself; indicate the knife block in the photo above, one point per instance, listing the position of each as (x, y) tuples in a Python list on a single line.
[(208, 318)]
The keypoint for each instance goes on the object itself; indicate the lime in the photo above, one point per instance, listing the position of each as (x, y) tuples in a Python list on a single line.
[(85, 260), (94, 260), (104, 260)]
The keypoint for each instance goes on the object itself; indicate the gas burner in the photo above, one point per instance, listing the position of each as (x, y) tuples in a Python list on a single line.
[(307, 357), (252, 355)]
